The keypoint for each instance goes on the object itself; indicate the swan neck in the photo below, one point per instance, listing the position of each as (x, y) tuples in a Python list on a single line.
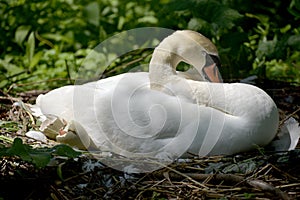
[(162, 67), (169, 53)]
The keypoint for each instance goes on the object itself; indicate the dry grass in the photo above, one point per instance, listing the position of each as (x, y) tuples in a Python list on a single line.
[(245, 176)]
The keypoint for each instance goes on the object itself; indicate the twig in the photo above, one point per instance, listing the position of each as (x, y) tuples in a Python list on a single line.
[(12, 99), (57, 194), (284, 173), (288, 185), (262, 169), (123, 66), (268, 188), (43, 40), (35, 83), (287, 117), (68, 71), (191, 178), (261, 185)]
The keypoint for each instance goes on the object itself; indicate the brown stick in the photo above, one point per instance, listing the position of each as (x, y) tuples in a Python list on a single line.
[(287, 117), (258, 184)]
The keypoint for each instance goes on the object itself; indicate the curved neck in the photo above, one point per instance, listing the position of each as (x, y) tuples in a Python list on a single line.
[(162, 67), (167, 55)]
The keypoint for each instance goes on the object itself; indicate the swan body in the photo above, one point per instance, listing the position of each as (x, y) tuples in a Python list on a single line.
[(164, 114)]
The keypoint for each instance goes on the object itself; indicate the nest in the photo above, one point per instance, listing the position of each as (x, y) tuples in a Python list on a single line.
[(254, 175), (245, 176)]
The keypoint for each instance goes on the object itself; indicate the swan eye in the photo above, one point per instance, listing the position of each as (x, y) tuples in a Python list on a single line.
[(212, 59), (216, 59)]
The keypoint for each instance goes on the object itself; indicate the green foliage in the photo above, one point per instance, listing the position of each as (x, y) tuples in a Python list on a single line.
[(260, 38), (44, 42), (249, 196), (9, 126), (39, 157)]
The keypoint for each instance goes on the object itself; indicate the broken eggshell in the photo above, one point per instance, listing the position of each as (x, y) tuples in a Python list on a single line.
[(71, 133), (37, 135)]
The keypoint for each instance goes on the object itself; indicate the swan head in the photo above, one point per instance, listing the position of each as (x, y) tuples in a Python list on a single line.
[(206, 58), (190, 47)]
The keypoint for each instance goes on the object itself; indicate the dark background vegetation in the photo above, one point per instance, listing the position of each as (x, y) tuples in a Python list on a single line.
[(43, 43)]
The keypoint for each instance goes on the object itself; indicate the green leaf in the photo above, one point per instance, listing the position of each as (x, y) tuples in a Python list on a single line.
[(65, 150), (92, 13), (19, 149), (59, 171), (7, 64), (294, 8), (57, 37), (148, 19), (40, 159), (21, 33), (30, 47), (294, 41), (35, 59), (286, 28), (121, 22), (9, 126), (198, 24), (6, 139), (266, 48)]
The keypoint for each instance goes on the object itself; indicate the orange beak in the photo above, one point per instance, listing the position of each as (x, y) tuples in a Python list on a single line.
[(212, 73)]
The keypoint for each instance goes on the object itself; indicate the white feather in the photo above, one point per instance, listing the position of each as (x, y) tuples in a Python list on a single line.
[(288, 136)]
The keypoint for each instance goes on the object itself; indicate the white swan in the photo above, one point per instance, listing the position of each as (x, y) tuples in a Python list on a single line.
[(164, 113)]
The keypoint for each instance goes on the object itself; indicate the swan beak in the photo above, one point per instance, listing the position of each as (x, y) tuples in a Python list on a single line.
[(212, 73)]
